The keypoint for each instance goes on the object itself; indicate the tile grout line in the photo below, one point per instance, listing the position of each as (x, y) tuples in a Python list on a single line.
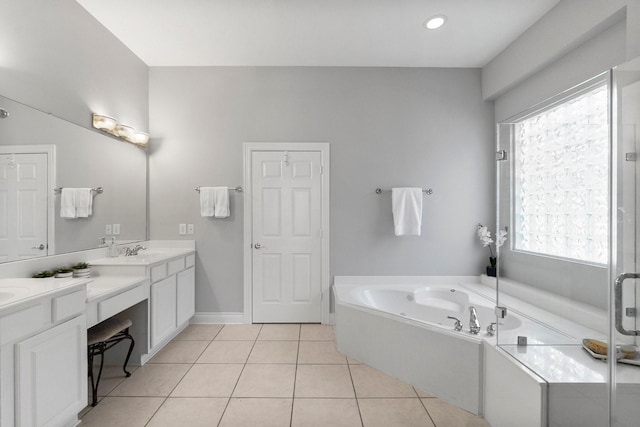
[(239, 376), (178, 383), (425, 408), (355, 395), (295, 376)]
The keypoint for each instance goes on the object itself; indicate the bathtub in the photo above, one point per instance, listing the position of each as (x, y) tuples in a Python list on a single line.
[(400, 326)]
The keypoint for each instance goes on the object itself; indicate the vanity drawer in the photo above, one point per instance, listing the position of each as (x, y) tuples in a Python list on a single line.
[(158, 272), (24, 322), (120, 302), (175, 265), (66, 306), (190, 260)]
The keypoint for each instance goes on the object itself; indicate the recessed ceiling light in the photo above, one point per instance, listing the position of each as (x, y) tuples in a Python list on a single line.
[(435, 22)]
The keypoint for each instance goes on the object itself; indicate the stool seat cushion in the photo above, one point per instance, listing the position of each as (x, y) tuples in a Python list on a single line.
[(106, 329)]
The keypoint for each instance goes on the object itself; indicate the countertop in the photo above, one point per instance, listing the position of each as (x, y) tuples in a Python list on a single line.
[(144, 257), (14, 292)]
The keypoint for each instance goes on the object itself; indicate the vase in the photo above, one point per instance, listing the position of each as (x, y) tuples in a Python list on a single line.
[(491, 271)]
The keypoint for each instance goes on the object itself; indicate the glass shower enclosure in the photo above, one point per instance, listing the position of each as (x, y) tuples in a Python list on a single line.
[(568, 195)]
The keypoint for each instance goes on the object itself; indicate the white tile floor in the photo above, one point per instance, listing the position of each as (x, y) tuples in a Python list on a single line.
[(263, 375)]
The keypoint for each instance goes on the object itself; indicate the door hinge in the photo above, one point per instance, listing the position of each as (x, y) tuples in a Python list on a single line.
[(501, 155), (631, 157), (631, 312), (501, 312), (321, 170)]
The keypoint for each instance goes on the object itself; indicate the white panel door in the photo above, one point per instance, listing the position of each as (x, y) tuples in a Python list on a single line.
[(287, 233), (23, 206)]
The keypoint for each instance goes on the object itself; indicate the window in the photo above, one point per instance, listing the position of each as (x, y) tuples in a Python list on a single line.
[(561, 175)]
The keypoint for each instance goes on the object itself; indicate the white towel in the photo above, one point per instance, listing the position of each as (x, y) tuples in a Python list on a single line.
[(221, 203), (207, 201), (406, 205), (84, 202), (68, 203)]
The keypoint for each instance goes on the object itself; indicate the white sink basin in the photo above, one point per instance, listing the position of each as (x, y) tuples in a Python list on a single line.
[(9, 293)]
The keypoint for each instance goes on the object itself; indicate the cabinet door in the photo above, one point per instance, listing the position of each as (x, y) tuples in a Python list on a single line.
[(186, 295), (163, 309), (51, 375)]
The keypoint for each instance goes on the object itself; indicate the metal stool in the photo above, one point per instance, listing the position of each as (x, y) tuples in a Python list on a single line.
[(101, 338)]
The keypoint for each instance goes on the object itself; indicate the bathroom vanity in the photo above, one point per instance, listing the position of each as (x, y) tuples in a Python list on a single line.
[(43, 348), (43, 324), (168, 283)]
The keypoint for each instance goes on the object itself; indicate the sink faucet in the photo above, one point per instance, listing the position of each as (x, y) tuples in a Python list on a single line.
[(133, 251), (474, 325)]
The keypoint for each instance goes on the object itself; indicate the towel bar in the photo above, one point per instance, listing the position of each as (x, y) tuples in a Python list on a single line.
[(98, 190), (237, 189), (427, 191)]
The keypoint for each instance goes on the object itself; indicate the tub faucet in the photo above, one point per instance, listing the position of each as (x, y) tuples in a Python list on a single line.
[(474, 325), (458, 325)]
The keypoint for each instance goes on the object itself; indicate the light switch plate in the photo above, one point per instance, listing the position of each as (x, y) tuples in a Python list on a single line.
[(190, 229), (107, 229), (182, 229), (116, 229)]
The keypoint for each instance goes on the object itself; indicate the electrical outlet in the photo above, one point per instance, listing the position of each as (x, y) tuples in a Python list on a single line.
[(190, 229), (182, 229), (107, 229), (116, 229)]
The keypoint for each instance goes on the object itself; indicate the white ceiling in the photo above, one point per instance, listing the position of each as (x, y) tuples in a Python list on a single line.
[(316, 32)]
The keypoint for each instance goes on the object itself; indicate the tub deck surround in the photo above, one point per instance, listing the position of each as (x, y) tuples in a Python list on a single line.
[(424, 353), (557, 381)]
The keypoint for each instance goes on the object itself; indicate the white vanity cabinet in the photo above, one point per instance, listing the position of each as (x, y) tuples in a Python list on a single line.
[(171, 273), (51, 375), (172, 298), (163, 309), (186, 295), (43, 359)]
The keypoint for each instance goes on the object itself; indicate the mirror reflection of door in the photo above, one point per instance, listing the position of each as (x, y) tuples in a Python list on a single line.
[(23, 206)]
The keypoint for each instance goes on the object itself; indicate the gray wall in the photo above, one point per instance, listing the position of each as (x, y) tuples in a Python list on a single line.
[(56, 57), (386, 126), (563, 29), (607, 47)]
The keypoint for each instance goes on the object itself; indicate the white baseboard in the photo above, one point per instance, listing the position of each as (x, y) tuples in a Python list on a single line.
[(217, 318)]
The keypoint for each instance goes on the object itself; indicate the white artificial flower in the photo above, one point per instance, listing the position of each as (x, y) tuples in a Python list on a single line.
[(502, 237), (484, 235)]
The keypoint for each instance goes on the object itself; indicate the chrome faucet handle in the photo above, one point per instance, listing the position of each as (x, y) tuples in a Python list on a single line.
[(491, 329), (458, 325), (474, 324)]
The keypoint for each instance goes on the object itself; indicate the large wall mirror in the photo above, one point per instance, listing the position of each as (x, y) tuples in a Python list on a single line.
[(39, 154)]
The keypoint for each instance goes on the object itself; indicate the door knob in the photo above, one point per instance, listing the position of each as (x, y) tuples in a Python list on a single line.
[(41, 247), (257, 246)]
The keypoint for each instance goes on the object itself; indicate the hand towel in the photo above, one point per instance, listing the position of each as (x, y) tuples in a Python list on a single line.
[(207, 201), (68, 203), (84, 202), (406, 205), (221, 202)]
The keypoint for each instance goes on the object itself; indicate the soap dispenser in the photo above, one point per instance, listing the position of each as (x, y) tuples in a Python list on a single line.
[(114, 251)]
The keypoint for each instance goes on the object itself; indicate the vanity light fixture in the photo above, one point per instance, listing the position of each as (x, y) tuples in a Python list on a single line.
[(435, 22), (112, 127)]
